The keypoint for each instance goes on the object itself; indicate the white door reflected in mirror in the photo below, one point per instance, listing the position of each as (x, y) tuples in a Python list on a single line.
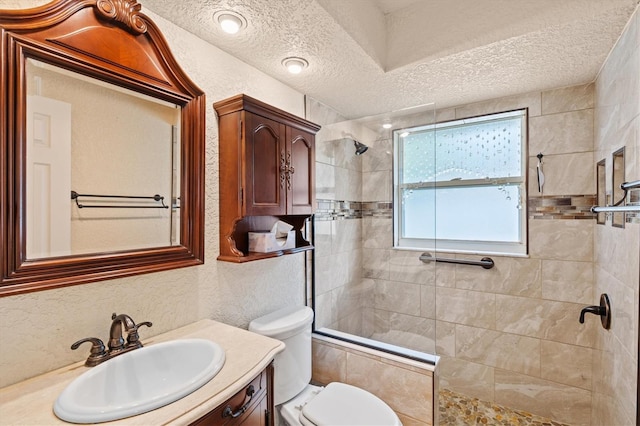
[(48, 177)]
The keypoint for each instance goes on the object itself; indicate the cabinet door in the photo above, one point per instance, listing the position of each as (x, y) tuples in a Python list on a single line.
[(264, 155), (243, 409), (258, 415), (301, 179)]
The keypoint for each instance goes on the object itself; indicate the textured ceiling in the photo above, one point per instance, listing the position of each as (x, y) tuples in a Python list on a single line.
[(370, 57)]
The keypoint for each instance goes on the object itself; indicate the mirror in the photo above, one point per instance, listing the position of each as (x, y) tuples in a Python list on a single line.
[(103, 148), (88, 188)]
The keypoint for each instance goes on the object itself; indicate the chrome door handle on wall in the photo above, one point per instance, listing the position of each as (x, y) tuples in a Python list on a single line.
[(604, 311)]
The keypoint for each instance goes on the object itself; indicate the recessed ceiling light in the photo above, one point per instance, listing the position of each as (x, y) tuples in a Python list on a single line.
[(387, 125), (231, 22), (294, 64)]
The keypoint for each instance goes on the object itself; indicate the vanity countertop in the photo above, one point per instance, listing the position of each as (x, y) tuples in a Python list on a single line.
[(31, 402)]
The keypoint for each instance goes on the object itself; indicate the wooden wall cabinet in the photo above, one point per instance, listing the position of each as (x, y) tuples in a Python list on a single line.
[(252, 406), (267, 173)]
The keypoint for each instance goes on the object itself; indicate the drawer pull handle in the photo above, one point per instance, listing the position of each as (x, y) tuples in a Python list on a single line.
[(228, 411)]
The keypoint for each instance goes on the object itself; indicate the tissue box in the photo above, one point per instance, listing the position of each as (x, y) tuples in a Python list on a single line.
[(265, 242)]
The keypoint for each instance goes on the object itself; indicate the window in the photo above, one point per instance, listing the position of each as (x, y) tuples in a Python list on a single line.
[(460, 186)]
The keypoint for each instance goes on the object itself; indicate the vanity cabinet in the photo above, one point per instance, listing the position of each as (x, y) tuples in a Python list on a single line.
[(251, 406), (267, 173)]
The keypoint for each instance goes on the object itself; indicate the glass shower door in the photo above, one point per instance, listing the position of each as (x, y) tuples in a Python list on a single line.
[(368, 289)]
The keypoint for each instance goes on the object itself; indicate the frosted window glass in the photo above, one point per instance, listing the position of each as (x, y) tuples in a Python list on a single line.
[(461, 184), (478, 151), (487, 213)]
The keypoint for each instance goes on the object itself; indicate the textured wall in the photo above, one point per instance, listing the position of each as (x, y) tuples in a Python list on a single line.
[(617, 250), (38, 328), (484, 49)]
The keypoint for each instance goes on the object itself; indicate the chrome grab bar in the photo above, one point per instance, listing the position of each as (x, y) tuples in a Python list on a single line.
[(632, 208), (630, 185), (485, 262), (606, 209)]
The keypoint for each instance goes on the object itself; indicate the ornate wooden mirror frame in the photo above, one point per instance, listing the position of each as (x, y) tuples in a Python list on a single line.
[(109, 40)]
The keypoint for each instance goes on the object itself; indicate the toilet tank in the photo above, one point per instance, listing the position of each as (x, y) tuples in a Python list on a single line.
[(291, 325)]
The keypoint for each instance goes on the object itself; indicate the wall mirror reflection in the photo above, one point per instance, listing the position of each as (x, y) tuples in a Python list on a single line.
[(97, 155)]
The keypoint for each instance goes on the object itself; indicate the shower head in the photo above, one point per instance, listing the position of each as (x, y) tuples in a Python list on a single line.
[(360, 147)]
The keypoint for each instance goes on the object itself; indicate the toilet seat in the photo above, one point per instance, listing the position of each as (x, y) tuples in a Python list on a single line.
[(342, 404)]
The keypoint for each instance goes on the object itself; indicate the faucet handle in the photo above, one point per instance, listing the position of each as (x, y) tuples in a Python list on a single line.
[(98, 351), (133, 338), (603, 310), (147, 323)]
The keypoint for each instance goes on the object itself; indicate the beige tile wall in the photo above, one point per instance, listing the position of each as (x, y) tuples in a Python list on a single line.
[(408, 387), (617, 251), (343, 297), (510, 334)]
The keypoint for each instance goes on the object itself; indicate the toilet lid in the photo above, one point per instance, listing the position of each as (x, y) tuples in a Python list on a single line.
[(342, 404)]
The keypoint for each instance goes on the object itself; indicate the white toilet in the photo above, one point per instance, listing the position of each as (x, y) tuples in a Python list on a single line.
[(301, 403)]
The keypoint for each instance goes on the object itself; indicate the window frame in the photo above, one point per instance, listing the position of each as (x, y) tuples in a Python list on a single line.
[(519, 248)]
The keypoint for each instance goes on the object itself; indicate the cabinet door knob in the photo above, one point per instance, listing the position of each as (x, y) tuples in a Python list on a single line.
[(289, 171), (283, 169)]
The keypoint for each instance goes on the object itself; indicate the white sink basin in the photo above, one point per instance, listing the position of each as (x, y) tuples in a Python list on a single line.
[(140, 381)]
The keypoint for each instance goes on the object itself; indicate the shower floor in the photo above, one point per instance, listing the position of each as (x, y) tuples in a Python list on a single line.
[(460, 410)]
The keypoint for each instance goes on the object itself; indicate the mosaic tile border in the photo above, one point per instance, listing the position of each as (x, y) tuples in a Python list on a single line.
[(562, 207), (545, 207), (340, 209), (633, 200)]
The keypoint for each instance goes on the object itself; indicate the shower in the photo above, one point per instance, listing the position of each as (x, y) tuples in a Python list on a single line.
[(360, 147)]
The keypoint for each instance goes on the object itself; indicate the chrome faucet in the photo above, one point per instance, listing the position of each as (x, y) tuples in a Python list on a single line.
[(116, 344)]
